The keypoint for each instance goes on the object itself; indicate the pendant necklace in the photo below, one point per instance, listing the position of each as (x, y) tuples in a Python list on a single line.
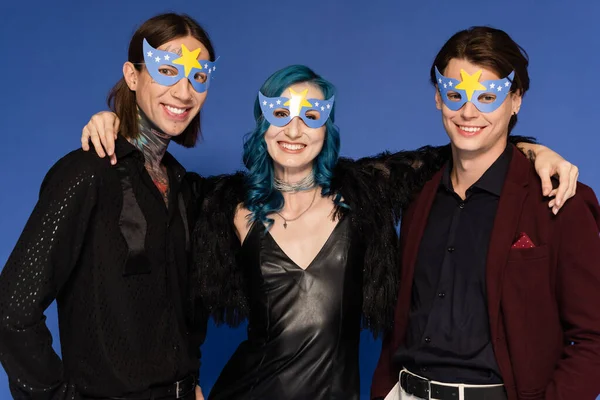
[(286, 220)]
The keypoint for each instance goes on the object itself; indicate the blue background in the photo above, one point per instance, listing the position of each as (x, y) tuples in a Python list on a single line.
[(60, 60)]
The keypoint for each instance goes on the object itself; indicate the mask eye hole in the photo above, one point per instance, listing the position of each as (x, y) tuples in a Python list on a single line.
[(281, 113), (313, 114), (486, 98), (167, 70), (200, 77), (454, 96)]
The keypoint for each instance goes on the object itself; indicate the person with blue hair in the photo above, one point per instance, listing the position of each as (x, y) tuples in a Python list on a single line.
[(311, 234), (302, 245)]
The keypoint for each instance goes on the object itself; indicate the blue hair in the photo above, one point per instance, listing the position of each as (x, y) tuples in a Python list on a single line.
[(261, 197)]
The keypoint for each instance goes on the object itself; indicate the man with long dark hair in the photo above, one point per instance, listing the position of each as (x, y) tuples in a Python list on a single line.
[(111, 243)]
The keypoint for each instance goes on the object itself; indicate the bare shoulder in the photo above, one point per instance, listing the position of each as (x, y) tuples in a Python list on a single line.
[(240, 220)]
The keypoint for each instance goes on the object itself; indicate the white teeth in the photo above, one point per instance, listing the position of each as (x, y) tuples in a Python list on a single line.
[(471, 129), (292, 146), (175, 110)]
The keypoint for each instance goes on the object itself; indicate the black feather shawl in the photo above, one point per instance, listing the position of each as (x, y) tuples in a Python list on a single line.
[(218, 281), (376, 189), (365, 188)]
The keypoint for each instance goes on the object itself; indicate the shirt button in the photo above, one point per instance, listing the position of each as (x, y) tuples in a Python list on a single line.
[(441, 295), (461, 205), (175, 347), (427, 339), (424, 369), (450, 249)]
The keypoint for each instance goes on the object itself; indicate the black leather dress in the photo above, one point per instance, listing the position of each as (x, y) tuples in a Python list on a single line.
[(304, 325)]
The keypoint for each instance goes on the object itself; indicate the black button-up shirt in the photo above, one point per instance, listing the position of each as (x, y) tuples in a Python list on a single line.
[(102, 242), (448, 337)]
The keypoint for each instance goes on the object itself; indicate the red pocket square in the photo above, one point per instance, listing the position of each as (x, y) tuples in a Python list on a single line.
[(523, 242)]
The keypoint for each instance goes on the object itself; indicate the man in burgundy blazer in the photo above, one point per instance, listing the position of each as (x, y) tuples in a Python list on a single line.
[(495, 289)]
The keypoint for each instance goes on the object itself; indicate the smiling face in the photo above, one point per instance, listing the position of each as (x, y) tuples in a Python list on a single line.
[(294, 147), (469, 129), (170, 108)]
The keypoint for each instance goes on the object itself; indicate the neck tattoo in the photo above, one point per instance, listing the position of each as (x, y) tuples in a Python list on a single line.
[(153, 143)]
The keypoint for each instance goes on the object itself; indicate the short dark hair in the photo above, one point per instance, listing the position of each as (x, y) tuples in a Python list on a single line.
[(157, 31), (490, 48)]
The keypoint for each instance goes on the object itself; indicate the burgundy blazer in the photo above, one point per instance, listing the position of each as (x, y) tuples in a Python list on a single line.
[(540, 299)]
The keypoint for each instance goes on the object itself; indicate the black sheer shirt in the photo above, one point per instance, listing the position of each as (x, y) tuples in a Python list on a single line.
[(103, 243)]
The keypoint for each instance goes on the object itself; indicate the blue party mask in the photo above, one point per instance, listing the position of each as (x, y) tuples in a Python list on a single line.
[(279, 111), (168, 68), (487, 96)]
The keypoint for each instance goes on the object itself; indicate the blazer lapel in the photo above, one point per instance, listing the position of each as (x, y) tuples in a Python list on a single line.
[(503, 234)]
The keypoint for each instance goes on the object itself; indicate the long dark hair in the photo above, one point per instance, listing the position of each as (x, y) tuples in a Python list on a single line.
[(157, 31)]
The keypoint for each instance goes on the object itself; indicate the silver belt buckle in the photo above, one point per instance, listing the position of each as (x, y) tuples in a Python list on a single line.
[(420, 380), (428, 388), (177, 389)]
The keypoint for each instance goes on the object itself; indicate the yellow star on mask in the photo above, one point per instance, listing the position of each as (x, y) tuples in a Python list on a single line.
[(189, 59), (297, 101), (470, 83)]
